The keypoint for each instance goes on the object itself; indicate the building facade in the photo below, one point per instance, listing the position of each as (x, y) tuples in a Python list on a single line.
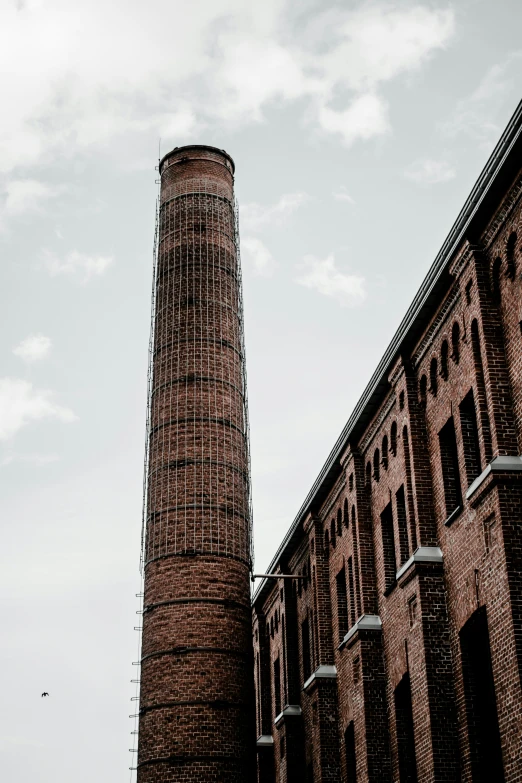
[(390, 648), (196, 717)]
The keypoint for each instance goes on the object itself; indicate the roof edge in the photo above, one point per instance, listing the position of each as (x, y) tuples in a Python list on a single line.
[(511, 134)]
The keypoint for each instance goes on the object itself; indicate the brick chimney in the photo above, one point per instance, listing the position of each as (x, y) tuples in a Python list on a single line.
[(196, 701)]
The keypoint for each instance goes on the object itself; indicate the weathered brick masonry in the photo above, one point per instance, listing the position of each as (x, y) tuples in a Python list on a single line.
[(398, 654), (197, 697)]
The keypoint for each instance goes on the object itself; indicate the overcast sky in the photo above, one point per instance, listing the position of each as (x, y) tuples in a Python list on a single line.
[(357, 129)]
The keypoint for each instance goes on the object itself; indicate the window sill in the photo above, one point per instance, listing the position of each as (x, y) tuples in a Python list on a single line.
[(453, 516), (391, 587)]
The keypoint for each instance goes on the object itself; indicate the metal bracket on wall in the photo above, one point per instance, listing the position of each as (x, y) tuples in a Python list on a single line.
[(278, 576)]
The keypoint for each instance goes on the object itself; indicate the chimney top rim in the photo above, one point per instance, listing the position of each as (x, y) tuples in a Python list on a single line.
[(187, 147)]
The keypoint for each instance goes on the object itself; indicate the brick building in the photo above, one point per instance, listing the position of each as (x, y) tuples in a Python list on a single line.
[(397, 654)]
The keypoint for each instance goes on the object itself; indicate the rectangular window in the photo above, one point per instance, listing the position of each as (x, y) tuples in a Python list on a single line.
[(388, 546), (481, 704), (305, 644), (342, 604), (470, 437), (402, 524), (349, 746), (351, 584), (277, 686), (450, 466), (405, 733)]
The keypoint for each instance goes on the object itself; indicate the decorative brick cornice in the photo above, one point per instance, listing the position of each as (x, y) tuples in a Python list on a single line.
[(451, 301), (461, 260), (377, 422), (333, 497), (396, 372), (498, 222)]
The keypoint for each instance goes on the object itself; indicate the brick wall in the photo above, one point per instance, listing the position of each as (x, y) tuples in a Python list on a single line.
[(431, 558)]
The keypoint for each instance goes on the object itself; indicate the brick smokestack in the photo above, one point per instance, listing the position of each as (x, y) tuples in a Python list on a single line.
[(196, 702)]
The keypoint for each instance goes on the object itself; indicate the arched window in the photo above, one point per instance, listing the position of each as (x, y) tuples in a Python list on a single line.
[(384, 460), (444, 351), (376, 464), (346, 518), (434, 381), (495, 279), (401, 401), (393, 438), (455, 342), (510, 254), (332, 532), (423, 388), (368, 475), (339, 523)]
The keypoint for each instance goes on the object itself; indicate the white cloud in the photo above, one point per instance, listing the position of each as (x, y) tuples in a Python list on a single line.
[(27, 195), (376, 43), (475, 115), (257, 257), (342, 195), (430, 172), (20, 404), (323, 276), (255, 216), (33, 348), (77, 265), (366, 117), (85, 85), (32, 459)]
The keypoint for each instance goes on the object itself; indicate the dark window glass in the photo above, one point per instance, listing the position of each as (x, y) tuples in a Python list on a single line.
[(349, 744), (405, 732), (480, 699), (495, 279), (470, 437), (510, 254), (388, 546), (384, 458), (444, 353), (376, 464), (423, 388), (277, 686), (305, 646), (450, 466), (353, 608), (393, 438), (455, 342), (402, 524), (434, 381), (342, 604)]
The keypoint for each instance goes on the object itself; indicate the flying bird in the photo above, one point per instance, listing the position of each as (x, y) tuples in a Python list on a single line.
[(45, 694)]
